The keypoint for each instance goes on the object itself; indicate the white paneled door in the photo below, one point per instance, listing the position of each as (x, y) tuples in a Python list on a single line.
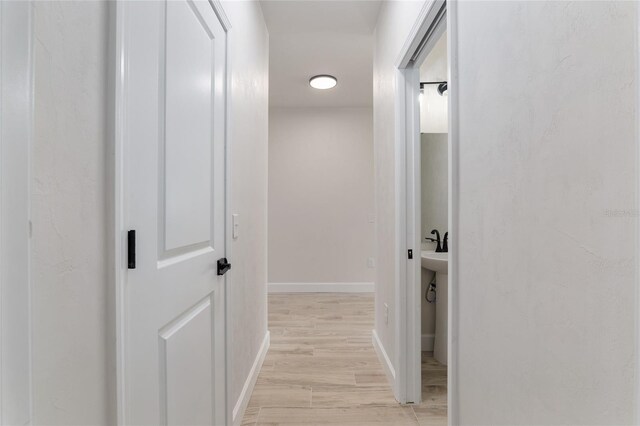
[(173, 96), (16, 121)]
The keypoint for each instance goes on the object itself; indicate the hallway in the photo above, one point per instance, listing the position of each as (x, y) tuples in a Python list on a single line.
[(321, 368), (209, 207)]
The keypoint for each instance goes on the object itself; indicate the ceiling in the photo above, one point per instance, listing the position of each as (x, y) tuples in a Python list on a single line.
[(310, 37), (435, 65)]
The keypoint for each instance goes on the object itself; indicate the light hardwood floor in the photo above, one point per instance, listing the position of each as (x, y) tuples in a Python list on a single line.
[(322, 369)]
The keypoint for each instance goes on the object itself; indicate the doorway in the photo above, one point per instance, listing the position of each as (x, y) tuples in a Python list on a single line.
[(436, 19), (433, 232)]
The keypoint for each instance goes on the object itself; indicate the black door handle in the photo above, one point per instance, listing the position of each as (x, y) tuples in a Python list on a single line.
[(223, 266)]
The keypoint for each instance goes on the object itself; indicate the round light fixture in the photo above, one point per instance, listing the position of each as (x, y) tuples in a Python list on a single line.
[(323, 82)]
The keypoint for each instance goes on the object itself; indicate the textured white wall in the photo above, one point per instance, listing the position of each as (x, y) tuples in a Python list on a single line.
[(435, 184), (435, 199), (249, 63), (394, 23), (548, 212), (69, 213), (320, 195)]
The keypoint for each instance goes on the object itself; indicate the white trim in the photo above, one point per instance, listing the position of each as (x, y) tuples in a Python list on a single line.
[(243, 400), (454, 213), (2, 215), (384, 359), (637, 244), (119, 66), (320, 287), (222, 16), (401, 264), (427, 342), (426, 18), (228, 237), (408, 286)]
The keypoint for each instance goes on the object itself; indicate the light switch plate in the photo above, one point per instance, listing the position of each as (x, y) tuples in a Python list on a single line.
[(235, 224), (386, 314)]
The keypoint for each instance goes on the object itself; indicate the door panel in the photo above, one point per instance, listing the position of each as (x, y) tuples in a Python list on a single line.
[(186, 368), (174, 166), (188, 103), (16, 97)]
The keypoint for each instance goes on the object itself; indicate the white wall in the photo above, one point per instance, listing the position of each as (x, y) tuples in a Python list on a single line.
[(394, 23), (69, 213), (435, 184), (434, 208), (321, 199), (548, 212), (249, 154)]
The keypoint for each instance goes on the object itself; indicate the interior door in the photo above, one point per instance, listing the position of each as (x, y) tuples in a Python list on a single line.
[(16, 104), (174, 197)]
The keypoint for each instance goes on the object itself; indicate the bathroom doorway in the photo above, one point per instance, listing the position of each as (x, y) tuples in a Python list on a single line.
[(427, 137), (434, 230)]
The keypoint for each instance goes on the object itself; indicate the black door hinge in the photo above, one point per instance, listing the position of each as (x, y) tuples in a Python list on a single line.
[(131, 249), (410, 254)]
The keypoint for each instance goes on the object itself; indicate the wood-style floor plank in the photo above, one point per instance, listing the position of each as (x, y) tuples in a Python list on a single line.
[(321, 368)]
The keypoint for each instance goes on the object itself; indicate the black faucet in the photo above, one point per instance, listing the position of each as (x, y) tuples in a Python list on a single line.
[(445, 243), (436, 240)]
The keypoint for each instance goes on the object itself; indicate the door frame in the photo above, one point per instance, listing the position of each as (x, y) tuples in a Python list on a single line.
[(423, 35), (16, 135), (118, 271)]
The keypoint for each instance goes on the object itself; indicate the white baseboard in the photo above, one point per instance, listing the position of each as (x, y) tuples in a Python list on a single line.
[(427, 342), (243, 400), (320, 287), (384, 359)]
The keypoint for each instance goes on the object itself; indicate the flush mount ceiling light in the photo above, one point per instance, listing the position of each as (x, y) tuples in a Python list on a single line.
[(442, 86), (323, 81)]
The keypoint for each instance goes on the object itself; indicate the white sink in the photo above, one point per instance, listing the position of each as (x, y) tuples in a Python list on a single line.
[(436, 262)]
